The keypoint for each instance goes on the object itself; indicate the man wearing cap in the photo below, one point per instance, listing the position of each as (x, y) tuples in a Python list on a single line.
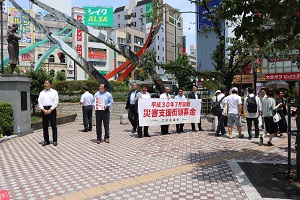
[(234, 104), (220, 126)]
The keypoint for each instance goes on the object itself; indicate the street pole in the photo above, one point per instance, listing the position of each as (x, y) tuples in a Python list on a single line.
[(175, 23), (1, 20)]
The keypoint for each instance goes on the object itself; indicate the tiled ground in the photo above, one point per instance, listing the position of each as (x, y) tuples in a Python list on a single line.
[(30, 171)]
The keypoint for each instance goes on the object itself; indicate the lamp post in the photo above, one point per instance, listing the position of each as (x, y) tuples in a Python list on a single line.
[(176, 23), (1, 21)]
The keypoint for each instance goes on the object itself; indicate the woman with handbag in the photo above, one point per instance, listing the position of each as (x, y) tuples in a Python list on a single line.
[(268, 108)]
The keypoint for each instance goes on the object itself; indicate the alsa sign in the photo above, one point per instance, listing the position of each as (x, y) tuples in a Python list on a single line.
[(98, 16)]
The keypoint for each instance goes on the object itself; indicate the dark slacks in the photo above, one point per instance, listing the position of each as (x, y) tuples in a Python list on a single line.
[(52, 119), (249, 126), (282, 123), (199, 125), (221, 124), (164, 129), (87, 112), (133, 116), (179, 128), (102, 116), (140, 128)]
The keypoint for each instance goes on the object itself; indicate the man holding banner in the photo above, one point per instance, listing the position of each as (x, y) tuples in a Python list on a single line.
[(166, 95), (179, 127), (143, 95), (194, 95)]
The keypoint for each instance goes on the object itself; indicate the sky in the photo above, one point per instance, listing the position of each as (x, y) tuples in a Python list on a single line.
[(183, 5)]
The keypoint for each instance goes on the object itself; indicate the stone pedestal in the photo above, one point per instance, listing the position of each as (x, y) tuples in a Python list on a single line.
[(15, 89)]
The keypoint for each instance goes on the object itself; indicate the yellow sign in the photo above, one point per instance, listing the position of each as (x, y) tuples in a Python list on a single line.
[(26, 29), (246, 78)]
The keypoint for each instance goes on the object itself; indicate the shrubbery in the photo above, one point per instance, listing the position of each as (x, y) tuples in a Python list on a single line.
[(6, 117)]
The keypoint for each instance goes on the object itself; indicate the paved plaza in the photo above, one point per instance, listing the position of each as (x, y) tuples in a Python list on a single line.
[(191, 165)]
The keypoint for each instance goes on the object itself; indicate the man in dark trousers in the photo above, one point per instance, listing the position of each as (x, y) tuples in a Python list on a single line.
[(48, 101), (131, 107), (166, 95), (194, 95), (87, 109)]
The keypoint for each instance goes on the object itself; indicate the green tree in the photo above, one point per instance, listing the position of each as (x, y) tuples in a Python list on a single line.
[(146, 65), (182, 69), (60, 76), (36, 85)]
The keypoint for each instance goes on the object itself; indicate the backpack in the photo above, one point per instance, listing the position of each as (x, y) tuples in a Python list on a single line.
[(251, 104), (215, 107)]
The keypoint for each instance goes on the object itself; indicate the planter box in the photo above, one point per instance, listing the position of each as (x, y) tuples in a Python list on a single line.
[(59, 120)]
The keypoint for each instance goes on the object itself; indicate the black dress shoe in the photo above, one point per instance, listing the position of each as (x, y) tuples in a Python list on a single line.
[(133, 130), (201, 129), (55, 143), (194, 130), (147, 135), (90, 129), (84, 130), (45, 143), (217, 134)]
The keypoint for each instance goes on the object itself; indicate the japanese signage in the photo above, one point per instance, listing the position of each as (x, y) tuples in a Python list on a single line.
[(246, 78), (204, 93), (202, 20), (97, 53), (26, 57), (25, 28), (79, 49), (292, 76), (168, 111), (99, 103), (4, 195), (149, 16), (78, 31), (98, 16)]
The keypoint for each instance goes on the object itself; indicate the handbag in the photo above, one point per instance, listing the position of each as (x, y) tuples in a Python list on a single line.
[(225, 110), (276, 117)]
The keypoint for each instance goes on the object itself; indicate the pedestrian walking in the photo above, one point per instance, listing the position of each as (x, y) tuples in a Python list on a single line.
[(179, 127), (195, 95), (104, 114), (131, 107), (268, 109), (166, 95), (234, 103), (262, 95), (252, 106), (221, 125), (86, 101), (48, 101), (144, 95)]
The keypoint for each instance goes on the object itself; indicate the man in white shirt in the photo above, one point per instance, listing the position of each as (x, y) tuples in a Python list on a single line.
[(252, 106), (48, 101), (195, 95), (87, 109), (234, 103), (166, 95), (261, 98), (179, 127)]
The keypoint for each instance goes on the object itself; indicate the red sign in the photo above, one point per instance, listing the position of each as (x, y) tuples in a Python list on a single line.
[(79, 18), (292, 76), (79, 49), (97, 54), (79, 34), (4, 195), (26, 57)]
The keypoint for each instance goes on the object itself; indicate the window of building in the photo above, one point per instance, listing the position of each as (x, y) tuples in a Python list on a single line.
[(141, 19), (138, 40), (136, 48), (157, 37), (157, 47), (121, 40), (119, 25), (157, 57), (163, 39), (163, 48), (163, 59), (51, 58), (141, 10), (40, 55), (118, 16)]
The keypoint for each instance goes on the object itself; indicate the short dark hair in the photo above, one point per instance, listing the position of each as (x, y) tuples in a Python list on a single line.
[(49, 81), (223, 89), (270, 92), (86, 88), (250, 90), (263, 89), (105, 86), (144, 86), (180, 89)]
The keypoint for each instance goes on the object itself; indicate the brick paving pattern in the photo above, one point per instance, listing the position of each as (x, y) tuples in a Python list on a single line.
[(78, 164)]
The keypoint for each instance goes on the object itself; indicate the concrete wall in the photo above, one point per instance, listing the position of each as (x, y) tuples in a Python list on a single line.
[(74, 108)]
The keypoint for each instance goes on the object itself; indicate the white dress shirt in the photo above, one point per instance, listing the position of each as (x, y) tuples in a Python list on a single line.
[(48, 98), (165, 96), (87, 99)]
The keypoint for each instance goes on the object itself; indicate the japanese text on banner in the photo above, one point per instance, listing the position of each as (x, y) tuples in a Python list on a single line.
[(168, 111)]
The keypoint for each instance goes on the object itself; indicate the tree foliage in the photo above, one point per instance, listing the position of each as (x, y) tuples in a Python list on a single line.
[(60, 76), (36, 84), (146, 65), (181, 69)]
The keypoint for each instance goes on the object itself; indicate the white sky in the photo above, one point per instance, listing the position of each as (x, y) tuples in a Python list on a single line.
[(184, 5)]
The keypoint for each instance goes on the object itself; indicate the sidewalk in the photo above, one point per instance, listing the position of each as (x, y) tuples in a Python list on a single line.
[(191, 165)]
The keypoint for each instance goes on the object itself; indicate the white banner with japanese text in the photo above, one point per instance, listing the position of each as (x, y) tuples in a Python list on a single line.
[(168, 111)]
